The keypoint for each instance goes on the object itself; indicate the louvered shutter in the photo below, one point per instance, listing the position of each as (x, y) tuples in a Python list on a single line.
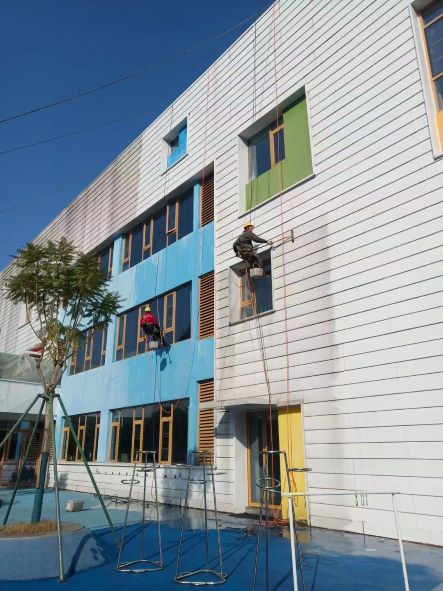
[(207, 200), (206, 417), (206, 313)]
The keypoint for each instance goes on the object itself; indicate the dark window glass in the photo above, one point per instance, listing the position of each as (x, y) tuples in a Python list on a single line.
[(159, 238), (186, 214), (151, 428), (72, 448), (125, 441), (89, 437), (105, 261), (131, 333), (80, 357), (434, 38), (165, 441), (180, 433), (12, 447), (114, 432), (261, 155), (137, 245), (433, 12), (172, 211), (263, 289), (96, 358), (183, 313), (126, 249)]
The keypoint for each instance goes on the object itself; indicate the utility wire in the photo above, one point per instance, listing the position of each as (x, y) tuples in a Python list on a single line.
[(132, 75), (71, 133)]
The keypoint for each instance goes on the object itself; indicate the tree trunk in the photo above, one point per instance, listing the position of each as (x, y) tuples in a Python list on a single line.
[(44, 464), (46, 446)]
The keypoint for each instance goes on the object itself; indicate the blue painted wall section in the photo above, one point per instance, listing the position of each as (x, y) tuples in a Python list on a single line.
[(152, 376)]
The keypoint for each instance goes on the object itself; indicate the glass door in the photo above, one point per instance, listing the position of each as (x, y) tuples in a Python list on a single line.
[(262, 433)]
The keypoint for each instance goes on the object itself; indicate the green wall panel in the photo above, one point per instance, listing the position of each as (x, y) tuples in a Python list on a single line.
[(297, 164)]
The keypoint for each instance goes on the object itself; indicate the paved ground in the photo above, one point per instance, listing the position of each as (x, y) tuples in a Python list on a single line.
[(331, 560)]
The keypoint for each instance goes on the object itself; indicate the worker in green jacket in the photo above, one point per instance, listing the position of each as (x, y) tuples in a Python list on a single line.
[(243, 246)]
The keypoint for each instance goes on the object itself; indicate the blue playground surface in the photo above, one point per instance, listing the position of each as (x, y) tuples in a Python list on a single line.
[(331, 560)]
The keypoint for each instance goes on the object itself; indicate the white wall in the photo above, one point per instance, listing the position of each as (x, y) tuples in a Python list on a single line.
[(359, 291)]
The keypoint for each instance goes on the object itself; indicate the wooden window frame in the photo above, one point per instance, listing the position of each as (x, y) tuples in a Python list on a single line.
[(135, 453), (127, 259), (433, 79), (174, 230), (272, 133), (140, 333), (104, 334), (245, 303), (96, 436), (169, 329), (148, 247), (120, 346), (89, 345), (81, 433), (115, 425), (264, 417), (64, 448), (165, 419)]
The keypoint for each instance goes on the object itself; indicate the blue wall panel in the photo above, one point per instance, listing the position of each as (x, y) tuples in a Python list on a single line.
[(151, 376)]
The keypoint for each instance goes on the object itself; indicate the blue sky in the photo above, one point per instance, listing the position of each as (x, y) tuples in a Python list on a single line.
[(51, 49)]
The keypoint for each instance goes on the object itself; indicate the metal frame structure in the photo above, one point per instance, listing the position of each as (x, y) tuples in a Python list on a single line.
[(48, 399), (202, 460), (293, 495), (156, 565), (269, 486)]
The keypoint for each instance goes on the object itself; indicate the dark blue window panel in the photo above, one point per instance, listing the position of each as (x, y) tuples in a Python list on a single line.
[(159, 238), (263, 288), (186, 214), (261, 155), (183, 313), (279, 146), (137, 245), (434, 38), (131, 333)]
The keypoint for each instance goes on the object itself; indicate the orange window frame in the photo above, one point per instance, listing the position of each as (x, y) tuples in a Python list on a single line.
[(244, 303), (127, 239), (121, 345), (115, 424), (272, 132), (166, 327), (89, 344), (140, 333), (65, 444), (96, 436), (433, 79), (165, 420), (104, 334), (147, 247)]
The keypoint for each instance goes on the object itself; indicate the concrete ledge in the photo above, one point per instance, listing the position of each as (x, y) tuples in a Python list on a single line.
[(36, 557)]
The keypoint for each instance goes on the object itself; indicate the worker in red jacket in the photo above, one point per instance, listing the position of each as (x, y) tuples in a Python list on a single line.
[(151, 326)]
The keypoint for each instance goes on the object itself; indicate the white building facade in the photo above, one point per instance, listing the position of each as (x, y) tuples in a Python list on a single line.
[(322, 123)]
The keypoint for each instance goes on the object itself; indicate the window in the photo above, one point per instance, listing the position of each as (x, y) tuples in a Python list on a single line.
[(206, 417), (432, 20), (158, 427), (90, 352), (206, 303), (164, 227), (87, 429), (278, 156), (173, 311), (176, 144), (249, 297), (267, 148), (105, 260), (207, 200)]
